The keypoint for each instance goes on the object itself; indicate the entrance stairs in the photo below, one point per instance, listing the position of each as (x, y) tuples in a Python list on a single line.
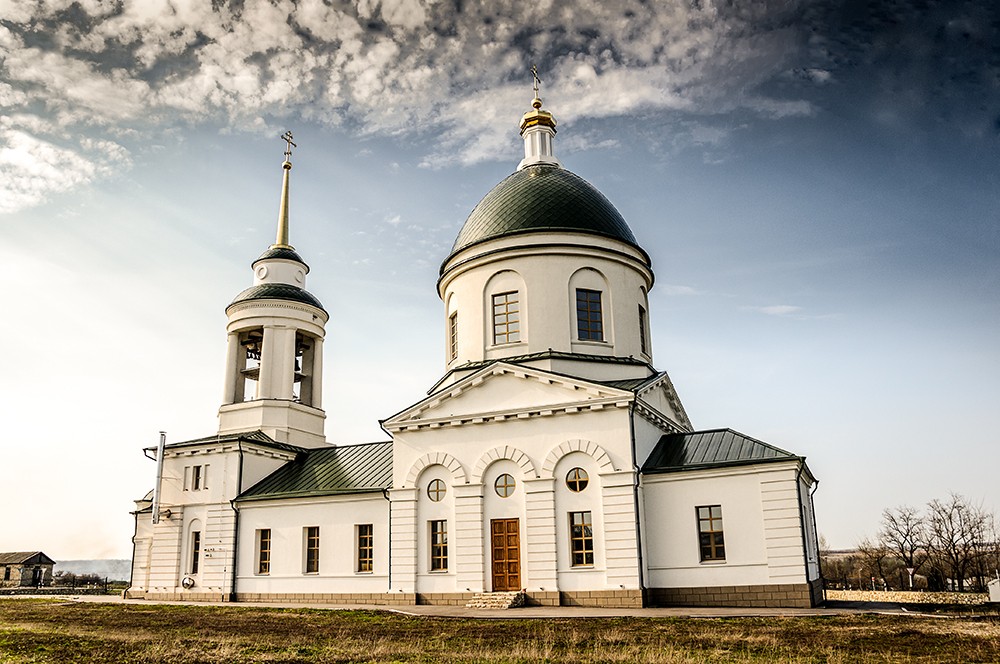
[(502, 600)]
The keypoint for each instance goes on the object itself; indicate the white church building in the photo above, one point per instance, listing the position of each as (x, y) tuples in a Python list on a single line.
[(550, 458)]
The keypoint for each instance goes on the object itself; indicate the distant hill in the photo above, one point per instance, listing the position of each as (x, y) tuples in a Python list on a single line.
[(115, 569)]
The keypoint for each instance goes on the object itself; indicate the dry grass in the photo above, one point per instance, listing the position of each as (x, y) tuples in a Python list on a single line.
[(50, 631)]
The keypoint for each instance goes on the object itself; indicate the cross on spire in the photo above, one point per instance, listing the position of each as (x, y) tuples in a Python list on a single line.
[(287, 138), (534, 74)]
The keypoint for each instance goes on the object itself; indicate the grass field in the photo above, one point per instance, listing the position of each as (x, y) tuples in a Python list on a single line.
[(54, 631)]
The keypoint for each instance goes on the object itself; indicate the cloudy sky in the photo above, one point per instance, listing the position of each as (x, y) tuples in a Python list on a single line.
[(818, 184)]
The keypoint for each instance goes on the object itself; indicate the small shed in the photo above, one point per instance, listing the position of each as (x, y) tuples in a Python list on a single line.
[(25, 569)]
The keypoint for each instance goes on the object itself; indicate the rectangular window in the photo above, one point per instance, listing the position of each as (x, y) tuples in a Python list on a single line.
[(366, 547), (6, 573), (439, 545), (710, 533), (195, 551), (264, 551), (589, 324), (506, 318), (643, 345), (453, 336), (196, 478), (581, 537), (312, 550)]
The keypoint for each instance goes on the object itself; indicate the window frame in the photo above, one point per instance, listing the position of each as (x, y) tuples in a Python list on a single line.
[(590, 325), (502, 332), (263, 551), (509, 486), (438, 540), (194, 564), (713, 548), (365, 546), (453, 337), (581, 542), (579, 477), (437, 489), (643, 326), (311, 550)]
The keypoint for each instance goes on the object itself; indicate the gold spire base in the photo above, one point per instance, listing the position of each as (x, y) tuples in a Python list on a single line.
[(537, 117)]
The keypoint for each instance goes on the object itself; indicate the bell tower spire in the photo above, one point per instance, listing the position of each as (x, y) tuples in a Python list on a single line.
[(274, 366), (281, 240), (538, 128)]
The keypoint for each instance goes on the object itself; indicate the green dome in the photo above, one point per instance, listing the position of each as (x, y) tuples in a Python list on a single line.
[(286, 253), (542, 198), (274, 291)]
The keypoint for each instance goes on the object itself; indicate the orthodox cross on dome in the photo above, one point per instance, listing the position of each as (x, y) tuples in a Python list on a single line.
[(537, 129), (287, 138), (536, 102)]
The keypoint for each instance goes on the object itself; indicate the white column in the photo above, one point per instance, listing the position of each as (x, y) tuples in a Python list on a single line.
[(540, 534), (469, 547), (317, 373), (232, 368), (403, 552), (285, 385), (266, 378)]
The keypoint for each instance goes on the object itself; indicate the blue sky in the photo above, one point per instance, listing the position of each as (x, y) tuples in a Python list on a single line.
[(817, 184)]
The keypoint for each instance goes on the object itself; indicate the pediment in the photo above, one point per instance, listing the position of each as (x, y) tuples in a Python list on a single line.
[(502, 391), (661, 397)]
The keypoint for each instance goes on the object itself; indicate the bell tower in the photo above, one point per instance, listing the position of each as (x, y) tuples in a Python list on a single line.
[(274, 361)]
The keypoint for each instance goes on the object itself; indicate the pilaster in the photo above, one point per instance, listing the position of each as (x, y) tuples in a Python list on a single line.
[(403, 531), (540, 534), (469, 547), (621, 545)]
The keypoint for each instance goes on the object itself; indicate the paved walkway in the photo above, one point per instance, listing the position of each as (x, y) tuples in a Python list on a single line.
[(533, 612)]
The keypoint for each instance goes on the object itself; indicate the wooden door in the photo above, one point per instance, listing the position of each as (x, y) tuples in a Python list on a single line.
[(506, 544)]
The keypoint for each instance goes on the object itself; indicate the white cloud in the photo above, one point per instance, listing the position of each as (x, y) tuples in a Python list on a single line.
[(776, 309), (141, 67), (673, 289), (32, 169)]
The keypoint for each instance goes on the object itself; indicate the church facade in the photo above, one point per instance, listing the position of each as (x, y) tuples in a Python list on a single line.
[(551, 457)]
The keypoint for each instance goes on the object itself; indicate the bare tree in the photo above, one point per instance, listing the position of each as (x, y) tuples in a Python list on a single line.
[(875, 559), (904, 533), (956, 531)]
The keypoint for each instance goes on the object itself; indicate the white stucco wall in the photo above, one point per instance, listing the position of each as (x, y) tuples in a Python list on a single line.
[(763, 535), (545, 268), (337, 519)]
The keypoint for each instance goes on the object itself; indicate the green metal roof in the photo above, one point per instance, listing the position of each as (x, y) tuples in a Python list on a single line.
[(278, 292), (286, 253), (542, 198), (715, 448), (328, 471), (546, 355), (633, 384), (256, 437)]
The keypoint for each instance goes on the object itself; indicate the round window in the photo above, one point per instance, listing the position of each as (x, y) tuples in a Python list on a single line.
[(577, 479), (436, 490), (504, 485)]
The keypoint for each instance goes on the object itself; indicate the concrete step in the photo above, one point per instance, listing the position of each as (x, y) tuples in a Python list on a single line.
[(501, 600)]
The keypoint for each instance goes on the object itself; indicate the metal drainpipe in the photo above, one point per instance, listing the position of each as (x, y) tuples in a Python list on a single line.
[(635, 498), (812, 509), (131, 572), (236, 519), (385, 494), (802, 526)]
